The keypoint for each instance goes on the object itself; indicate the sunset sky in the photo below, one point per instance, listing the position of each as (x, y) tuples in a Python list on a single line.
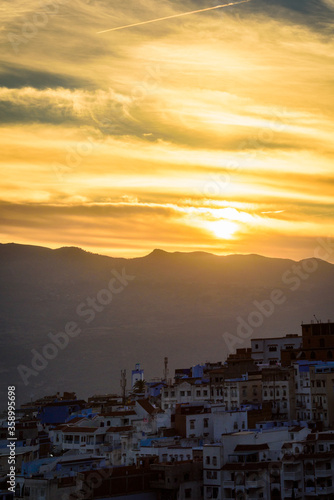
[(211, 131)]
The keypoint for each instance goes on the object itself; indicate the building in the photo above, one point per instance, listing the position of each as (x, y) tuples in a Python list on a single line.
[(243, 391), (278, 387), (185, 391), (269, 351), (315, 393), (194, 421), (136, 375), (318, 341), (178, 481)]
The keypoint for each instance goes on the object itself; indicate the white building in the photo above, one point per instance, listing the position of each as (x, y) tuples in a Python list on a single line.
[(268, 351), (184, 392)]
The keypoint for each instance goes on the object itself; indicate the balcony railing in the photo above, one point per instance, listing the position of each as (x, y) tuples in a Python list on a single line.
[(254, 484), (292, 476), (323, 472)]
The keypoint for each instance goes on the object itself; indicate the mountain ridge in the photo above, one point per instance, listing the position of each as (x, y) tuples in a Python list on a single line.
[(175, 304)]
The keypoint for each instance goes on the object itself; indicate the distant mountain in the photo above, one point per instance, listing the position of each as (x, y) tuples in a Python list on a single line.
[(177, 305)]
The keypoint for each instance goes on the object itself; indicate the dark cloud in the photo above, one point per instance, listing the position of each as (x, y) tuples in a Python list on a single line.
[(15, 76)]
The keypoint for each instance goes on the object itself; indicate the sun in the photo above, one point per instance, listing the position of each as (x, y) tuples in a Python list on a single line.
[(223, 229)]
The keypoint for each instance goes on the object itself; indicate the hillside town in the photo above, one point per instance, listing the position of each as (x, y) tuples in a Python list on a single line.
[(259, 425)]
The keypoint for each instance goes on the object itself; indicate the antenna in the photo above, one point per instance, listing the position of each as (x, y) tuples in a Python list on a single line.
[(123, 385), (317, 320), (165, 369)]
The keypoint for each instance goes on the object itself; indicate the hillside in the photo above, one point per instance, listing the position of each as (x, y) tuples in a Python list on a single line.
[(178, 305)]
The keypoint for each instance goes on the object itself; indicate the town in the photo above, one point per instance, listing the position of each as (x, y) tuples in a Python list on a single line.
[(259, 425)]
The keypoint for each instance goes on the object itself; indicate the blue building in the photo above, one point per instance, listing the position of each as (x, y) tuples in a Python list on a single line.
[(58, 412)]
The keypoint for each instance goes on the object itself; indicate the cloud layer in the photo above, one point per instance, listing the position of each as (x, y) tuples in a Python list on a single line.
[(211, 131)]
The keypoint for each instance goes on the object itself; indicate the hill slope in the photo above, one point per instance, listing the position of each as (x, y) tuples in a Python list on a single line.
[(177, 305)]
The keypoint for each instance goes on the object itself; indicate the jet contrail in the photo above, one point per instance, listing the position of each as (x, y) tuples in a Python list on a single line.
[(175, 15)]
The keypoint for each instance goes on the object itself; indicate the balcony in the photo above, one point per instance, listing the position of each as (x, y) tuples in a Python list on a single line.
[(292, 476), (254, 484), (323, 472), (288, 493), (162, 484), (228, 484), (327, 490)]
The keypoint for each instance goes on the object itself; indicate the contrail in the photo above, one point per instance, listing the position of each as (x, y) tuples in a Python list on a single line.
[(175, 15)]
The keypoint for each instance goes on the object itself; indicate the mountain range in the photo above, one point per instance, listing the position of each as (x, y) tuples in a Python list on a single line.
[(125, 311)]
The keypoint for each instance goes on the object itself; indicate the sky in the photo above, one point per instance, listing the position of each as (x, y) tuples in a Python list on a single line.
[(208, 132)]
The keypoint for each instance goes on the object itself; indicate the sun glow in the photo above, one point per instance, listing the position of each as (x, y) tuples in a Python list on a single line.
[(223, 229)]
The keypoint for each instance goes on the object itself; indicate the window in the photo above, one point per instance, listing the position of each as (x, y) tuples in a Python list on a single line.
[(205, 393), (187, 493), (198, 393), (166, 394), (192, 424), (206, 423), (207, 460), (172, 394), (211, 474), (214, 460), (272, 348), (188, 393), (182, 393)]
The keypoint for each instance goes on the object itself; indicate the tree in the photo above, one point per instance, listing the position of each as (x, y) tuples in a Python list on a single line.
[(139, 387)]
